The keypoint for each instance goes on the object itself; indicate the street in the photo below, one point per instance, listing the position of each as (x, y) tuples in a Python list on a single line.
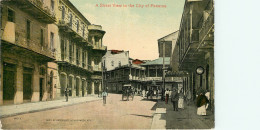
[(136, 114)]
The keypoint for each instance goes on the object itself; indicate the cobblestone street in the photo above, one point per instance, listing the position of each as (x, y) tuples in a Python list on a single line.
[(115, 114)]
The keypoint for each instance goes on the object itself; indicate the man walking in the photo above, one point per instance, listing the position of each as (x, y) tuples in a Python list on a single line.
[(167, 93), (67, 94), (104, 95), (175, 98)]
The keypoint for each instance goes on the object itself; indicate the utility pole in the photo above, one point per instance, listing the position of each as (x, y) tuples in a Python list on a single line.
[(163, 42)]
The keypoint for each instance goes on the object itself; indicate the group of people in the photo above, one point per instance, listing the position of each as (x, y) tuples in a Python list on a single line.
[(177, 99), (150, 92), (104, 95)]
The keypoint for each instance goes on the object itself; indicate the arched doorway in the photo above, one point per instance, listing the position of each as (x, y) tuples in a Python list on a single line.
[(63, 83), (77, 86), (51, 85), (89, 88), (83, 87), (96, 84)]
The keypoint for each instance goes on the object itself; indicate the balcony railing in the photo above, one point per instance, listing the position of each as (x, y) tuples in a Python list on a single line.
[(10, 35), (207, 25), (95, 27), (96, 68), (90, 68), (100, 48), (35, 8)]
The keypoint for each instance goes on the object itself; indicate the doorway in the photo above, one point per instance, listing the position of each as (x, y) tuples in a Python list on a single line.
[(8, 83), (77, 86), (83, 88), (41, 88), (27, 84)]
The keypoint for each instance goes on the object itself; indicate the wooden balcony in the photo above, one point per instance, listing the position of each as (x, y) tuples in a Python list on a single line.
[(207, 27), (35, 8)]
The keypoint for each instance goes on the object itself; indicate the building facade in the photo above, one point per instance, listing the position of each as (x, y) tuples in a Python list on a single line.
[(47, 46), (25, 50), (120, 70), (195, 45), (158, 70), (79, 52)]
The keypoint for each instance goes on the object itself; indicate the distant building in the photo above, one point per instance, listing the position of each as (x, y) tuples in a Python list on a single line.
[(138, 62), (154, 68), (119, 70)]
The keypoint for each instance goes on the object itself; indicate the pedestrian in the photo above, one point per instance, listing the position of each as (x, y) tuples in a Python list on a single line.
[(162, 98), (167, 93), (181, 100), (143, 92), (147, 94), (202, 101), (174, 99), (207, 94), (188, 97), (67, 94), (104, 95)]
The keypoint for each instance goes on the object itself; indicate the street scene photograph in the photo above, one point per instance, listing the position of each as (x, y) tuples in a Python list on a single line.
[(107, 64)]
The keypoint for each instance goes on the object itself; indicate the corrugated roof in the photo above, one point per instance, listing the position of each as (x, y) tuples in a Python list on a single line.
[(158, 61)]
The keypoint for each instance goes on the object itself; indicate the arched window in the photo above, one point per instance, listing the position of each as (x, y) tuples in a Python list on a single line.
[(77, 25), (63, 13)]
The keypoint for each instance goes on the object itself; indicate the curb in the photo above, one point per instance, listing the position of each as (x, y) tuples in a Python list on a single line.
[(45, 109)]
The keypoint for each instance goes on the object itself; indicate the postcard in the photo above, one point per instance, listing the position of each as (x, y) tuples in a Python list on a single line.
[(107, 64)]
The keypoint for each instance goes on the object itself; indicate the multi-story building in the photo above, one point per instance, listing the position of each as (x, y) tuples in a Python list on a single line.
[(195, 45), (156, 70), (119, 70), (26, 48), (46, 46), (79, 53)]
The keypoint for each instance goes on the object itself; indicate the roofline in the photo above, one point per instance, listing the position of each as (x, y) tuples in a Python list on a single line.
[(168, 35), (77, 11)]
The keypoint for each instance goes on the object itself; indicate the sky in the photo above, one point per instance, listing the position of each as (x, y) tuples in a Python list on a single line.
[(133, 29)]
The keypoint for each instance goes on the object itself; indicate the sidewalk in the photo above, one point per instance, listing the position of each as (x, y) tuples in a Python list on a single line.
[(182, 119), (11, 110)]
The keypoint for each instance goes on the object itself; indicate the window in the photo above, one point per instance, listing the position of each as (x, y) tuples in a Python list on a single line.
[(52, 5), (70, 50), (52, 41), (10, 15), (28, 29), (77, 25), (62, 49), (70, 20), (83, 30), (63, 13), (112, 63), (77, 56), (83, 59), (42, 37)]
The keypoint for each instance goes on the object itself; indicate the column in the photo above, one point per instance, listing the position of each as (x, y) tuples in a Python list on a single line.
[(36, 83), (18, 97), (1, 86), (92, 88), (100, 87), (73, 89), (93, 40), (74, 53), (80, 87), (100, 42), (93, 64)]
